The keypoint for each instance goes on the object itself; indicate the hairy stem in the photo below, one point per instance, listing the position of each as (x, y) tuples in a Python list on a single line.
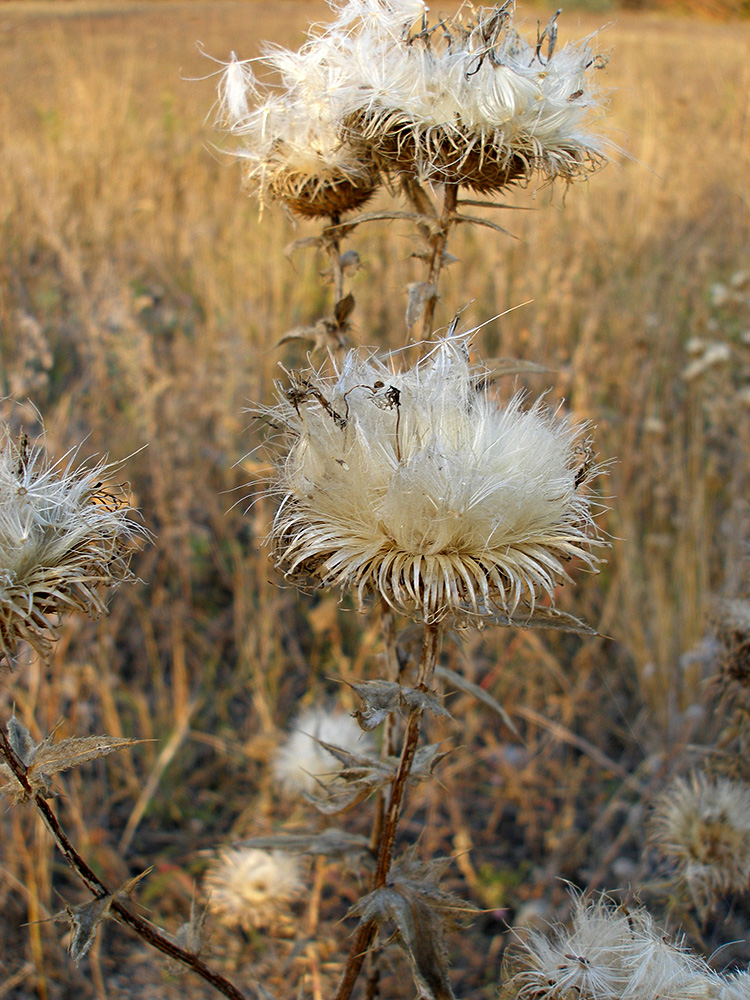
[(438, 243), (93, 883), (366, 932)]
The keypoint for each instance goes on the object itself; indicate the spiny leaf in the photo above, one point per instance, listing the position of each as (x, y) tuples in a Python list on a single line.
[(536, 617), (421, 912), (51, 758), (380, 698), (477, 692), (330, 843), (86, 918), (323, 334), (361, 776), (189, 935)]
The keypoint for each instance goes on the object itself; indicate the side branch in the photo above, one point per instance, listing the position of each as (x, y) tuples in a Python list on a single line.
[(144, 928)]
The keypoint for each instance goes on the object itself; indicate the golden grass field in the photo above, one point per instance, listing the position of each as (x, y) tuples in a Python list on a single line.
[(141, 298)]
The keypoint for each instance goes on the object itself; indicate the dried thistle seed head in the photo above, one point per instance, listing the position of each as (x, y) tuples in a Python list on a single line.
[(467, 100), (418, 486), (300, 764), (63, 537), (702, 825), (292, 141), (250, 888), (610, 952), (731, 619)]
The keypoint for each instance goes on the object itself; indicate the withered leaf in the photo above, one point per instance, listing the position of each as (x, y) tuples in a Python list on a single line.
[(526, 617), (477, 692), (421, 911), (330, 843), (380, 698), (360, 776), (343, 309), (189, 935), (419, 294), (21, 740), (86, 918), (498, 367), (49, 758), (323, 334)]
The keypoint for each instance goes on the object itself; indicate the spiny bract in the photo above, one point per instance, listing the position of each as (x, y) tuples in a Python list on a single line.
[(418, 486)]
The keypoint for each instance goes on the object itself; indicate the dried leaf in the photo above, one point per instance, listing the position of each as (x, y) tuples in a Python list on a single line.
[(332, 843), (308, 241), (343, 309), (419, 294), (421, 912), (21, 740), (498, 367), (86, 918), (189, 935), (45, 759), (526, 617), (361, 776), (349, 263), (323, 334), (477, 692), (380, 698)]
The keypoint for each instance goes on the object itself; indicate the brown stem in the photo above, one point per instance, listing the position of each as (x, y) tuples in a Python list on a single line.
[(93, 883), (438, 242), (333, 246), (366, 931)]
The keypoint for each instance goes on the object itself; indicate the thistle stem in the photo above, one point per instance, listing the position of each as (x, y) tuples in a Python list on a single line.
[(93, 883), (438, 243), (366, 932)]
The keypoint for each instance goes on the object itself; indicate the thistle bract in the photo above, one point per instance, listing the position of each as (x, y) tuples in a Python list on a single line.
[(420, 487)]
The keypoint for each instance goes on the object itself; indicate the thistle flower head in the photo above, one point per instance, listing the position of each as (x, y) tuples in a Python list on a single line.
[(301, 763), (418, 486), (610, 953), (62, 538), (702, 825), (250, 888), (465, 100)]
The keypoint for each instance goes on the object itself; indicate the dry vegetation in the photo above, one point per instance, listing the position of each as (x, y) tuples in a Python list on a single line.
[(140, 302)]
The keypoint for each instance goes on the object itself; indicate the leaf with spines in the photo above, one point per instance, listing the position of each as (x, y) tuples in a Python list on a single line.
[(421, 911), (45, 759), (361, 776), (86, 918), (331, 843), (380, 698)]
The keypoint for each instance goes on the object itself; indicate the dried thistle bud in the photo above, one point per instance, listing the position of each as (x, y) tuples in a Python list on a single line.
[(418, 486), (63, 537), (702, 825), (301, 763), (250, 888)]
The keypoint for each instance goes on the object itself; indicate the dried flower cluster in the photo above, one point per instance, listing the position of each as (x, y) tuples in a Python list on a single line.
[(380, 92), (250, 888), (420, 487), (702, 825), (614, 954), (63, 536)]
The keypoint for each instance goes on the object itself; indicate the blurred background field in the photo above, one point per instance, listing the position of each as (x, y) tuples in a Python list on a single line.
[(141, 299)]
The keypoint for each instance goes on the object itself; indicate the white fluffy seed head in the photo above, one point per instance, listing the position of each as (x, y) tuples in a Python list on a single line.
[(420, 487), (702, 825), (301, 763), (378, 90), (611, 953), (63, 537), (249, 888)]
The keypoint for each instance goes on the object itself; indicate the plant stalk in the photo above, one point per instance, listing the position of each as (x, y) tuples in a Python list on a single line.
[(366, 931), (438, 243)]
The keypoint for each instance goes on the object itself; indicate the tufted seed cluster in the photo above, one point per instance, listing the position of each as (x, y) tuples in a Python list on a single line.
[(418, 486)]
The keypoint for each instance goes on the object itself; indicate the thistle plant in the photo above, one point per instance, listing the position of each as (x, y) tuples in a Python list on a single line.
[(404, 479)]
